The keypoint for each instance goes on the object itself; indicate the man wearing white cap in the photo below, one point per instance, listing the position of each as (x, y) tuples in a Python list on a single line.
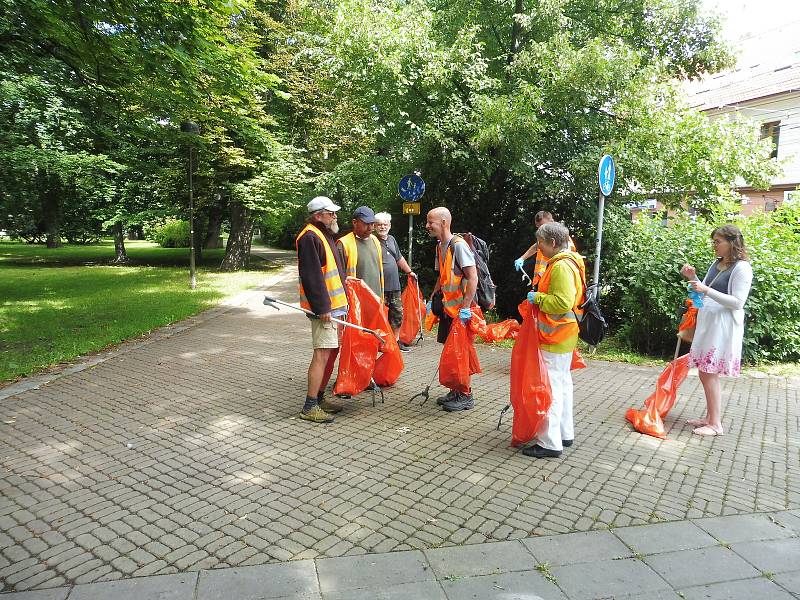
[(322, 274)]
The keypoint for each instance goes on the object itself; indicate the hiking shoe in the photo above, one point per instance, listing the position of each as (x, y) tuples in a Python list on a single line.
[(316, 415), (403, 347), (460, 402), (451, 395), (538, 452), (330, 407)]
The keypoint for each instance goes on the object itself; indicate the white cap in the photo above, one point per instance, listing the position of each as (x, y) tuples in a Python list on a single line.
[(322, 203)]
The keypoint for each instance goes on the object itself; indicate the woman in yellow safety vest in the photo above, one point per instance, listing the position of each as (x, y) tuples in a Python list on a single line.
[(558, 298)]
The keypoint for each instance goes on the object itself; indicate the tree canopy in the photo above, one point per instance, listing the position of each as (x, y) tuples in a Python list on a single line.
[(503, 107)]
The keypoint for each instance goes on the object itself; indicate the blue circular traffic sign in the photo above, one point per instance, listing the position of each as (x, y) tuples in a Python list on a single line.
[(411, 188), (606, 172)]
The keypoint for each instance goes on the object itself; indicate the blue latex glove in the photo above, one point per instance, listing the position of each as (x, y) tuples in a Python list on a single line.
[(532, 297), (428, 307), (696, 297), (518, 263), (465, 315)]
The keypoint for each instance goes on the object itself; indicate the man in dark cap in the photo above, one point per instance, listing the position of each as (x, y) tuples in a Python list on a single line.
[(362, 251)]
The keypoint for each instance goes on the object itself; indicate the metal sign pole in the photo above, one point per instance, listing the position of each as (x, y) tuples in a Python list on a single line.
[(600, 209), (192, 277), (410, 236)]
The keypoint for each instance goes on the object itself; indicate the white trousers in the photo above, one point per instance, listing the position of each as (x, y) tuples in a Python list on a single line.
[(558, 425)]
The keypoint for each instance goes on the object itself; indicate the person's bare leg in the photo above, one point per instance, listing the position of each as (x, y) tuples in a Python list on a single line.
[(316, 370), (713, 393)]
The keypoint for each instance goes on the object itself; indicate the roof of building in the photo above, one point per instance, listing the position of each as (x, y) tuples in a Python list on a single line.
[(742, 85)]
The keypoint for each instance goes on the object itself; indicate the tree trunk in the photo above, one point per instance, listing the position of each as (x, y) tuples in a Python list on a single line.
[(213, 239), (119, 244), (237, 252), (516, 32), (50, 210)]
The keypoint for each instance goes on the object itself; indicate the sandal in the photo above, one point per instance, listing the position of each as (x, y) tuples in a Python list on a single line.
[(696, 422), (708, 430)]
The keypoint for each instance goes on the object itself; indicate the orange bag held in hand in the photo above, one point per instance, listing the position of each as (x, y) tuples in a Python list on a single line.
[(359, 349), (530, 386), (389, 364), (413, 311), (459, 359), (650, 420), (688, 322)]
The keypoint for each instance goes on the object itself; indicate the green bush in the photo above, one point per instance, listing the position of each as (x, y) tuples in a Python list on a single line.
[(645, 283), (172, 234)]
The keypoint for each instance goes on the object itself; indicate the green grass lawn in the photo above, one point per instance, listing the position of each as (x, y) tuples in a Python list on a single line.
[(56, 304)]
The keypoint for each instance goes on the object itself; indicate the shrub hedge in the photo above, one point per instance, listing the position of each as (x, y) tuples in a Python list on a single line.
[(172, 234), (646, 289)]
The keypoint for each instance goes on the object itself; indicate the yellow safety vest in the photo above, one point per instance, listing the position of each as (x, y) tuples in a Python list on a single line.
[(557, 328), (333, 281), (351, 254)]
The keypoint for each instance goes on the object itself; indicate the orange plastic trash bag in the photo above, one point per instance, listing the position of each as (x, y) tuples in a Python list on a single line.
[(688, 322), (503, 330), (577, 361), (389, 364), (650, 420), (459, 359), (477, 323), (387, 367), (413, 311), (359, 350), (530, 386), (430, 320)]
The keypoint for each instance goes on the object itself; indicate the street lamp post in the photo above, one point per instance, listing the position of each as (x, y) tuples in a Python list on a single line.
[(191, 128)]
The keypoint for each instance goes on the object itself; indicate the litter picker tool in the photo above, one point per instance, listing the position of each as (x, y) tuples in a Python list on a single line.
[(526, 276), (272, 302), (426, 393)]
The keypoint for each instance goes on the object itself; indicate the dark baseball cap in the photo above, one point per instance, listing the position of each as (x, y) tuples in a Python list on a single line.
[(365, 214)]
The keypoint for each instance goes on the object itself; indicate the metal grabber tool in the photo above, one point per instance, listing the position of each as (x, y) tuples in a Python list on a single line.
[(426, 393), (526, 276), (271, 302)]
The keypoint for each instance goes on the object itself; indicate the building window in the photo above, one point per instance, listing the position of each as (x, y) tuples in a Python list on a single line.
[(769, 205), (791, 196), (772, 130)]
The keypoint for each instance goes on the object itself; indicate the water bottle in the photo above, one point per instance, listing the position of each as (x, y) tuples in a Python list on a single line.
[(696, 297)]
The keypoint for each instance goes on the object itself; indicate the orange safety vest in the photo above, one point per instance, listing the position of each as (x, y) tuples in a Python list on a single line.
[(351, 254), (333, 281), (452, 292), (557, 328), (541, 263)]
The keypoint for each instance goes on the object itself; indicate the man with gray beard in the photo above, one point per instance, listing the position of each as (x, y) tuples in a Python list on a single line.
[(322, 275)]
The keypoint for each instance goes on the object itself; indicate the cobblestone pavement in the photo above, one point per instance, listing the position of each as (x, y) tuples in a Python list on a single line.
[(185, 454)]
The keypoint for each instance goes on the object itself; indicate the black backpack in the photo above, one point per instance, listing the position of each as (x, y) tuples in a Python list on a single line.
[(485, 295), (592, 325)]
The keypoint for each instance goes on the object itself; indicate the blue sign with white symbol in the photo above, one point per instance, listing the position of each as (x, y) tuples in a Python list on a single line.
[(605, 174), (411, 188)]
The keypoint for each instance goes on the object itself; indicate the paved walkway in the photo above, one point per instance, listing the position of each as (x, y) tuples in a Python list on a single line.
[(182, 455)]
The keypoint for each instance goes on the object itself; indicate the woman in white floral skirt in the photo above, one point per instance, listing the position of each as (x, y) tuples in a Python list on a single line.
[(717, 345)]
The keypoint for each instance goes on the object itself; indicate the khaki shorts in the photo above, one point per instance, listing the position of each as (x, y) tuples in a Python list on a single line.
[(324, 335)]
